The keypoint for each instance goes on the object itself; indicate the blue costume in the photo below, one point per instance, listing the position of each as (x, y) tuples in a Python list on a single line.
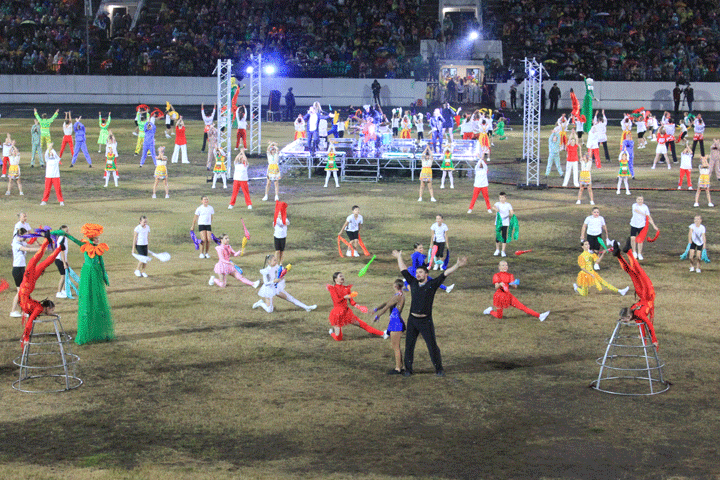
[(396, 323), (554, 155), (436, 126), (148, 143), (629, 146), (80, 143), (418, 260)]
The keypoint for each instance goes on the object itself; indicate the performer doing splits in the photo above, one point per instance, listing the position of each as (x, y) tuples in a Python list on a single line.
[(503, 298), (643, 311), (274, 285), (420, 320), (31, 307), (341, 314), (588, 277), (225, 266)]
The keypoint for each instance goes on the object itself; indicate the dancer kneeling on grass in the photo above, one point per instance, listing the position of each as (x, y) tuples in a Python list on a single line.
[(274, 286), (502, 299), (341, 314), (396, 325), (225, 266)]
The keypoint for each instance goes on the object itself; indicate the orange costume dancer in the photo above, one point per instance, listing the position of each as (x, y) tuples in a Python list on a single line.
[(643, 311), (341, 314), (502, 299), (31, 307)]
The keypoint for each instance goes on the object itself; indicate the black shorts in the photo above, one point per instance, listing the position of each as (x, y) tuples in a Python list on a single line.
[(353, 235), (641, 134), (18, 273), (205, 228), (395, 131), (440, 250), (635, 230), (420, 136), (341, 134), (694, 246), (142, 250), (60, 266), (503, 233), (279, 244), (594, 242)]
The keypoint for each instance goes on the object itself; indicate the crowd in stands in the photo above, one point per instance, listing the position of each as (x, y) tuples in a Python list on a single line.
[(615, 40), (610, 40)]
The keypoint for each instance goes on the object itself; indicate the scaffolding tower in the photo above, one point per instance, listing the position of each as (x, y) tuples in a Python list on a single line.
[(255, 113), (531, 121), (224, 109)]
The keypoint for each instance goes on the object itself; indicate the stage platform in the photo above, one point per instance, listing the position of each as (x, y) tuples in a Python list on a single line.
[(360, 161)]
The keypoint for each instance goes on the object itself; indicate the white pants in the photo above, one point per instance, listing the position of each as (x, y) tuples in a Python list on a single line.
[(180, 148), (568, 167)]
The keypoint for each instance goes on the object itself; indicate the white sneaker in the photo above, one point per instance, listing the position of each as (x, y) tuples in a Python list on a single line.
[(385, 335), (487, 311), (627, 192), (436, 266), (202, 255), (15, 314), (696, 204), (277, 198), (709, 204), (212, 281), (256, 283), (264, 199), (617, 193), (697, 270), (356, 254), (420, 199), (167, 195), (442, 187), (679, 187), (325, 186), (575, 287), (207, 255), (578, 202), (348, 253), (249, 207), (640, 257), (596, 267), (449, 288), (692, 269), (432, 199), (497, 252), (331, 331), (137, 273), (470, 210), (634, 255), (490, 210), (214, 186), (653, 167), (62, 204), (624, 291), (61, 295), (452, 186), (144, 274), (502, 254), (230, 207), (257, 304), (310, 308), (544, 315)]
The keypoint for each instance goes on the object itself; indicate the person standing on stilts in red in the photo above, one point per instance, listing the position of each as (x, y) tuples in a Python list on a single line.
[(341, 314), (33, 271), (643, 311), (502, 299)]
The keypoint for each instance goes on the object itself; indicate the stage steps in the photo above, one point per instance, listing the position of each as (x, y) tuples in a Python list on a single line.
[(360, 170)]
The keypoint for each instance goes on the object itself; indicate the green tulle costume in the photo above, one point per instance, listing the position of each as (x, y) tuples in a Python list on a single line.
[(513, 229), (95, 322), (587, 108)]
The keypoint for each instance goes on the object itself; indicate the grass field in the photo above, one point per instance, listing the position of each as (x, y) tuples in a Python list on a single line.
[(200, 386)]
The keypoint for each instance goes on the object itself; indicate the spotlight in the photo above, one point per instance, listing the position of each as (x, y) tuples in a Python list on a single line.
[(532, 72), (249, 70), (474, 35), (269, 69)]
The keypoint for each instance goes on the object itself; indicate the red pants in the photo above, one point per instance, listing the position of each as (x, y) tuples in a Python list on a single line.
[(467, 136), (684, 172), (237, 185), (67, 140), (241, 133), (32, 308), (476, 192), (595, 152), (6, 162), (52, 182), (514, 302)]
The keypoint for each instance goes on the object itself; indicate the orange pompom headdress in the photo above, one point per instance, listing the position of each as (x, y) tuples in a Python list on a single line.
[(91, 230)]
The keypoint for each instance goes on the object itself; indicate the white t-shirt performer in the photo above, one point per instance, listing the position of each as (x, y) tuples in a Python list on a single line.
[(640, 216), (506, 211), (352, 228), (440, 238)]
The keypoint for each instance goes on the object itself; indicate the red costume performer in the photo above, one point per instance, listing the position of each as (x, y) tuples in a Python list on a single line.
[(31, 307), (503, 298), (341, 314), (643, 311)]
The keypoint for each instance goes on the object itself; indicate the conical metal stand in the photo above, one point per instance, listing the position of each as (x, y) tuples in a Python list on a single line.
[(631, 365), (47, 365)]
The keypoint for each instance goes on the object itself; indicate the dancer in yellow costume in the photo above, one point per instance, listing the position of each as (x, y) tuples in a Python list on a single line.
[(588, 277)]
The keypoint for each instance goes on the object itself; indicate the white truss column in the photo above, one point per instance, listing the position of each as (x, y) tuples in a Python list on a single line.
[(531, 121), (224, 109), (255, 113)]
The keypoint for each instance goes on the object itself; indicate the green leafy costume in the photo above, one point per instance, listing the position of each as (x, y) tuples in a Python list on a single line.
[(103, 137)]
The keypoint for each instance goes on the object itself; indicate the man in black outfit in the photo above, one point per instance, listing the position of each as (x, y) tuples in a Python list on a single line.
[(676, 98), (554, 97), (420, 320), (289, 106), (375, 87)]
